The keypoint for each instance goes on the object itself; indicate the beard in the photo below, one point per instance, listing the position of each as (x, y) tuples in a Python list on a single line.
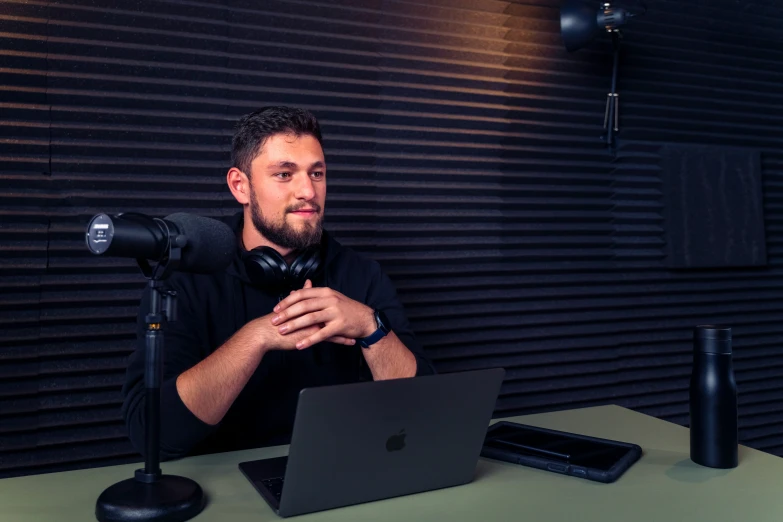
[(282, 233)]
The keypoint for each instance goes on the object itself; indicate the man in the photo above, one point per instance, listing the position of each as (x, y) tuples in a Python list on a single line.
[(244, 344)]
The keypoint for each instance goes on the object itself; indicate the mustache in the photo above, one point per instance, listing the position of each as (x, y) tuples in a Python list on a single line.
[(312, 206)]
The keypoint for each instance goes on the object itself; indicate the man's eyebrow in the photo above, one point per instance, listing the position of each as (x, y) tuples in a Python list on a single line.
[(283, 165)]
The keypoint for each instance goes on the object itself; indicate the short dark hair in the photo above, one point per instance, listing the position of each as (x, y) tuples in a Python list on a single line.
[(252, 130)]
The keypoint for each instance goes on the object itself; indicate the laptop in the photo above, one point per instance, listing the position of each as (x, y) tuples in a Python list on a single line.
[(356, 443)]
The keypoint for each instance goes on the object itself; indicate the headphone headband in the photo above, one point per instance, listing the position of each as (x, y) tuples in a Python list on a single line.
[(267, 269)]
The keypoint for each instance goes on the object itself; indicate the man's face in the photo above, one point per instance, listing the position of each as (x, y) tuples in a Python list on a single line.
[(288, 191)]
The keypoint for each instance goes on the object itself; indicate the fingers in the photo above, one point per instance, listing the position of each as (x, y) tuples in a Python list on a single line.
[(304, 310), (297, 310), (300, 295), (283, 342), (317, 337), (338, 339), (317, 318)]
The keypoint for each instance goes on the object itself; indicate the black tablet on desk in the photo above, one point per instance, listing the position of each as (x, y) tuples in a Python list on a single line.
[(580, 456)]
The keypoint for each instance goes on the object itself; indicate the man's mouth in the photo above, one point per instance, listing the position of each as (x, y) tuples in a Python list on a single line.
[(305, 212)]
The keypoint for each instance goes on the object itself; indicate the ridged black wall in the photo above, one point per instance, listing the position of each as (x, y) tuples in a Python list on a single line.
[(464, 154)]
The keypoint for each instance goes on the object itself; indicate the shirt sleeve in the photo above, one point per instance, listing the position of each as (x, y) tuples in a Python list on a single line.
[(383, 296), (184, 347)]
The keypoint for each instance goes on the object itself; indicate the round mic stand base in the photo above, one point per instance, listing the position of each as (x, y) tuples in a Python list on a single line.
[(169, 498)]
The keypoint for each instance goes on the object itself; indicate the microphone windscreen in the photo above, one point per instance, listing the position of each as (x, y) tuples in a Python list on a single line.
[(211, 243)]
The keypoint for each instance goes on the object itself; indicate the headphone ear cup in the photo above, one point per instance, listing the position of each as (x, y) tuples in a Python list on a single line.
[(266, 268), (306, 266)]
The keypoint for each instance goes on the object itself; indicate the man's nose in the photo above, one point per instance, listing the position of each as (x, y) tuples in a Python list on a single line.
[(304, 188)]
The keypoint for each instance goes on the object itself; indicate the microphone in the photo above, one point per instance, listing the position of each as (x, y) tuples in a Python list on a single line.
[(184, 242), (207, 245)]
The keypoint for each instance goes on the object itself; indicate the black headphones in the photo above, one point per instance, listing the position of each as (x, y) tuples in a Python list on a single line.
[(267, 269)]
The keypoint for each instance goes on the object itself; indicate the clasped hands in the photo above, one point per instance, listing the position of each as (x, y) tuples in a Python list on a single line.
[(312, 315)]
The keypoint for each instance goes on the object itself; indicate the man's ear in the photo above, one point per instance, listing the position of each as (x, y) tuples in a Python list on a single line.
[(239, 185)]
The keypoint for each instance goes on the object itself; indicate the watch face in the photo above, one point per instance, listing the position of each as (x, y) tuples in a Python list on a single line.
[(383, 321)]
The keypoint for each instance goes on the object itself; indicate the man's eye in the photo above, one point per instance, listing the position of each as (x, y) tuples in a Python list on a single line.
[(317, 174), (283, 175)]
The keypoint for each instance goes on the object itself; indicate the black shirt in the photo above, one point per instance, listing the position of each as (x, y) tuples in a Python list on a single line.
[(211, 307)]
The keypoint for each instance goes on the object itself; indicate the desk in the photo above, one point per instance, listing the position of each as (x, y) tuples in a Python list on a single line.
[(664, 485)]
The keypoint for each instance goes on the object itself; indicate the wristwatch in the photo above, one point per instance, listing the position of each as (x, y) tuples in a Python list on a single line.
[(383, 328)]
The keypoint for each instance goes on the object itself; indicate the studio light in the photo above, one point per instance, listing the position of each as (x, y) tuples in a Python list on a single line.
[(581, 21)]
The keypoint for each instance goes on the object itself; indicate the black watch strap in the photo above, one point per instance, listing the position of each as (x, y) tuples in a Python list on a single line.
[(383, 329)]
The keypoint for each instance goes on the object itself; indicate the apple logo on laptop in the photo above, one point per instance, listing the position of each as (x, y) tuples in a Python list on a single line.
[(396, 442)]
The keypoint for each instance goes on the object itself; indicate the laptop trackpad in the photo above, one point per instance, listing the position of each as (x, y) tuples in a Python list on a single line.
[(265, 468)]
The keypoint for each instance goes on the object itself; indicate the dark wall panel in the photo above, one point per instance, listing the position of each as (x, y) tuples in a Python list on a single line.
[(713, 207), (464, 154)]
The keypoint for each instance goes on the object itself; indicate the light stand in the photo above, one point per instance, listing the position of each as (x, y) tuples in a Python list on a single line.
[(581, 21), (612, 113), (150, 495)]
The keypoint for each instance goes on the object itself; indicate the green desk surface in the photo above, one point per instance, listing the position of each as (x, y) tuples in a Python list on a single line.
[(664, 485)]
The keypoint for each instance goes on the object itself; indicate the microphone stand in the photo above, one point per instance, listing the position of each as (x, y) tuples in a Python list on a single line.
[(150, 495)]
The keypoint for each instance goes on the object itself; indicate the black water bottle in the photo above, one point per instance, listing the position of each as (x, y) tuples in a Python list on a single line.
[(713, 399)]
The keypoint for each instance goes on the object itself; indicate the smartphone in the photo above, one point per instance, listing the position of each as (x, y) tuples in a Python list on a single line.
[(591, 458)]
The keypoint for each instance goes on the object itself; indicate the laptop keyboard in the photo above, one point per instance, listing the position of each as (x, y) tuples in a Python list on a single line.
[(274, 486)]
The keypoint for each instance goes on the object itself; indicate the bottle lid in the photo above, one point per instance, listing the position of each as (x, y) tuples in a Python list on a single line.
[(712, 339), (717, 332)]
